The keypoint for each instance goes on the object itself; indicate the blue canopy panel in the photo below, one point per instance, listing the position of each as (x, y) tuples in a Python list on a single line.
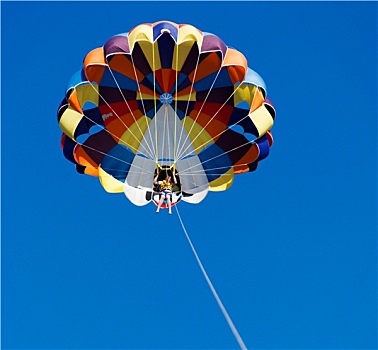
[(215, 161), (76, 79), (165, 27), (149, 81), (183, 82), (114, 79), (68, 147), (264, 147), (117, 162)]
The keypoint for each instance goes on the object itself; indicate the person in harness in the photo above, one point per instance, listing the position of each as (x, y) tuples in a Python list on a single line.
[(165, 191)]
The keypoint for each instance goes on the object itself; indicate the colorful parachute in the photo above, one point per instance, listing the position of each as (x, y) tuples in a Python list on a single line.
[(165, 97)]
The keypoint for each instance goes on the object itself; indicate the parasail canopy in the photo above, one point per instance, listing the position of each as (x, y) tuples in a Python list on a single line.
[(165, 97)]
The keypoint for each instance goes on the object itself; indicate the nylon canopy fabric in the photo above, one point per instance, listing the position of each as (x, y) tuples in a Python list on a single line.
[(165, 95)]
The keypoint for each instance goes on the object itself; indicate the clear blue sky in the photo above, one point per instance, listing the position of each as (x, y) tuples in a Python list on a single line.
[(291, 248)]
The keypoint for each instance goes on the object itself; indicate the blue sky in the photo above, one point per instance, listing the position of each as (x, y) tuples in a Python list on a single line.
[(291, 248)]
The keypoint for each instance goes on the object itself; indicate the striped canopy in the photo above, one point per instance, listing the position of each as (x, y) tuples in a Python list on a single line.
[(165, 95)]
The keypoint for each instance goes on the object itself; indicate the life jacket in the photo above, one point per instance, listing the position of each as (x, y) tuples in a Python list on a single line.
[(165, 185)]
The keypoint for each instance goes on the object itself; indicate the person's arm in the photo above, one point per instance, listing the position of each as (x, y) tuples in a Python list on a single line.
[(155, 179)]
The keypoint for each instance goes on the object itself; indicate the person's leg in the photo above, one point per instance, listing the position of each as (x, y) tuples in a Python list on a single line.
[(160, 202), (169, 204)]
